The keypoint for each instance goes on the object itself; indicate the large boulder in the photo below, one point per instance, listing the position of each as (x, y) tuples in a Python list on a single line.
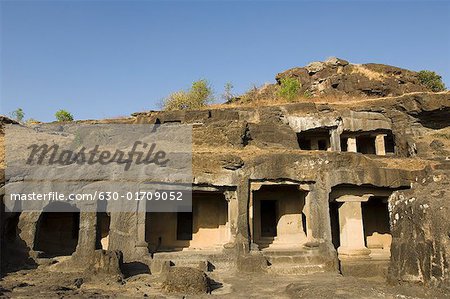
[(338, 77), (108, 262), (186, 280)]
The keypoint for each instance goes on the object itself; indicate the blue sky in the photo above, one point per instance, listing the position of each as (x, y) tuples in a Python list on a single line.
[(102, 59)]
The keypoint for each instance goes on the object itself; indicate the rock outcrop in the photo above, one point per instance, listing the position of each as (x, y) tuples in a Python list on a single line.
[(421, 232), (339, 80), (186, 280)]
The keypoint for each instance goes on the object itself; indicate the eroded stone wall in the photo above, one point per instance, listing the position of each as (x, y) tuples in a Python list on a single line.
[(421, 232)]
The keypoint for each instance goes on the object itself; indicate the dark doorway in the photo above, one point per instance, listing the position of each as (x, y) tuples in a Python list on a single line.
[(389, 144), (103, 223), (304, 144), (314, 139), (344, 144), (375, 214), (184, 226), (57, 233), (334, 221), (322, 144), (365, 144), (268, 218)]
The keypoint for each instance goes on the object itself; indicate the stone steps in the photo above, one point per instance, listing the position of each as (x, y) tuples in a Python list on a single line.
[(205, 261), (290, 269), (295, 259), (294, 262)]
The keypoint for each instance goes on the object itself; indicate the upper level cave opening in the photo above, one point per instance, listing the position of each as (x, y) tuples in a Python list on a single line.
[(380, 142), (314, 139)]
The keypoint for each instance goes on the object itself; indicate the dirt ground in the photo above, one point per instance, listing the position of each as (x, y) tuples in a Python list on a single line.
[(41, 283)]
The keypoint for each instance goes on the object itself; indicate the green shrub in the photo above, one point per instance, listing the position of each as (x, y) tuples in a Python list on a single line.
[(431, 80), (308, 94), (63, 115), (178, 100), (198, 96), (289, 88), (18, 114)]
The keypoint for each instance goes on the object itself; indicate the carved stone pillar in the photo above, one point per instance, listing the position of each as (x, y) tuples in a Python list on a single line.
[(351, 226), (335, 140), (141, 247), (351, 144), (380, 148), (231, 198)]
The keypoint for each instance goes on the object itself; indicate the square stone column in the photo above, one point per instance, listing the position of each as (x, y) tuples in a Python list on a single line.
[(351, 227), (335, 140), (351, 144), (141, 246), (379, 145), (231, 198)]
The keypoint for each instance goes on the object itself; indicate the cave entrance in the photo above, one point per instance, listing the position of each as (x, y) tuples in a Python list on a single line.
[(103, 224), (360, 223), (379, 142), (334, 221), (206, 227), (314, 139), (269, 218), (57, 232), (389, 144), (184, 226), (365, 144), (377, 234), (278, 218)]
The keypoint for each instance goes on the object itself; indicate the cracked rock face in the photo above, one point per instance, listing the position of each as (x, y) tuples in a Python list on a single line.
[(420, 249), (338, 77), (186, 280)]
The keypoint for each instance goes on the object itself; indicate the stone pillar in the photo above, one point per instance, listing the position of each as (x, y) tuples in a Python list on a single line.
[(307, 211), (87, 234), (141, 246), (243, 237), (351, 227), (254, 186), (380, 148), (317, 216), (351, 144), (231, 198), (335, 140)]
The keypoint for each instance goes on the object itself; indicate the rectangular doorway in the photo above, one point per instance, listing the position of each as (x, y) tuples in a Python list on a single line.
[(268, 218), (184, 226)]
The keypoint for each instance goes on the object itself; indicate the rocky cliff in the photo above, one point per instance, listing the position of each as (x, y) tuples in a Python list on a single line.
[(339, 80)]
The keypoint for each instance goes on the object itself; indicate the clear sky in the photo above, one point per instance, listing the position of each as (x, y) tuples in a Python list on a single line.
[(101, 59)]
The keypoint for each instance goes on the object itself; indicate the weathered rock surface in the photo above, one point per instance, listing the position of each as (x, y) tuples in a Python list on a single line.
[(107, 262), (186, 280), (420, 224), (338, 79)]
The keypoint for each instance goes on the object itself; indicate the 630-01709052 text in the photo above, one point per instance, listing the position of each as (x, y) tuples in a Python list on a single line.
[(100, 195)]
